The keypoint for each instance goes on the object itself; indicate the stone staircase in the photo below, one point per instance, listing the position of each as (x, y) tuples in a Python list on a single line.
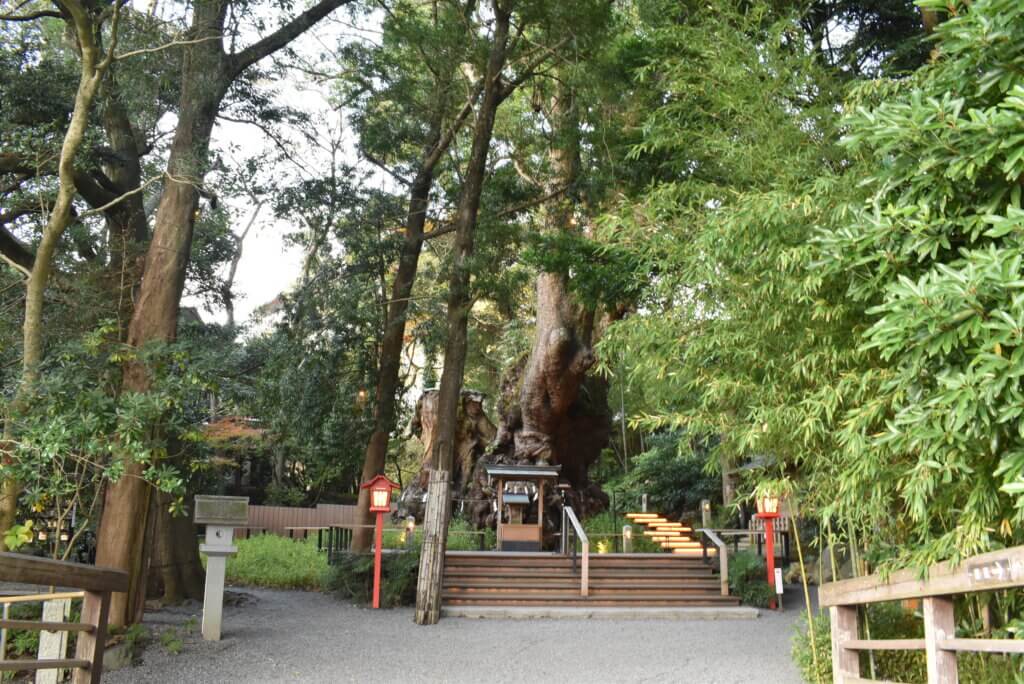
[(623, 580), (674, 537)]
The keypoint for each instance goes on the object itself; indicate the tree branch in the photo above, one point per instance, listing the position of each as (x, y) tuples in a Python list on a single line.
[(241, 61), (13, 251)]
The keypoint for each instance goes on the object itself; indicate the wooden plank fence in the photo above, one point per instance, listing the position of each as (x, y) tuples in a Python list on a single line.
[(277, 519), (988, 572)]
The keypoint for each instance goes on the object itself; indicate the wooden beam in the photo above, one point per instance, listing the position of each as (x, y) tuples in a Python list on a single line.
[(17, 567), (48, 626), (885, 644), (845, 661), (90, 645), (52, 664), (983, 645), (939, 626), (990, 571)]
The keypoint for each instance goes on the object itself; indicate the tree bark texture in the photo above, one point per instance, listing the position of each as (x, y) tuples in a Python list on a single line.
[(123, 543), (207, 73), (551, 411), (94, 65), (459, 303), (475, 434)]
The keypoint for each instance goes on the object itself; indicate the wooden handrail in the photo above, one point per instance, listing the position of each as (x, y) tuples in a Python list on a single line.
[(97, 583), (36, 598), (723, 558), (569, 515), (986, 572), (17, 567)]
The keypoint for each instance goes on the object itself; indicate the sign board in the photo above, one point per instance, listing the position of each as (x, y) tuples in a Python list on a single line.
[(995, 571), (778, 580), (222, 510)]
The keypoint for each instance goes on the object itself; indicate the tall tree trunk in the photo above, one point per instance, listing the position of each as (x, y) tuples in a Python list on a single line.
[(390, 359), (93, 67), (123, 541), (460, 301), (552, 421), (207, 73)]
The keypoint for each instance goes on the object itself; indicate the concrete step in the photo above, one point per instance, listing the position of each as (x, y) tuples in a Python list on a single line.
[(591, 612), (573, 598)]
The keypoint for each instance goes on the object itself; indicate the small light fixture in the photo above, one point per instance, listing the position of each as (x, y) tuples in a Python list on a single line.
[(410, 525), (42, 535), (768, 504), (64, 536), (380, 493), (627, 532)]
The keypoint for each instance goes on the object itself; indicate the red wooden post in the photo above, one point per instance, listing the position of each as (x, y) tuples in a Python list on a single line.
[(769, 549), (380, 503), (376, 559)]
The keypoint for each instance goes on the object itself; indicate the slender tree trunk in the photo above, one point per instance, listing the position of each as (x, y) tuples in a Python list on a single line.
[(393, 341), (93, 66), (460, 301)]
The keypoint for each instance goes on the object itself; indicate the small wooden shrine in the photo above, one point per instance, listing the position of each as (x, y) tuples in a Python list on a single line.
[(518, 486)]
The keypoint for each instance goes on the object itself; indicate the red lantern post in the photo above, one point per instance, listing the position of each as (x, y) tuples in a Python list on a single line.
[(380, 503), (768, 511)]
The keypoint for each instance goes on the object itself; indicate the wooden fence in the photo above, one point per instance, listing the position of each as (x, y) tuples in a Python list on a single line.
[(987, 572), (277, 519), (97, 585)]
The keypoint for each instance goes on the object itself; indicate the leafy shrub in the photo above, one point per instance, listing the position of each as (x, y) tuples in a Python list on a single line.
[(671, 474), (277, 562), (891, 621), (351, 577), (748, 579)]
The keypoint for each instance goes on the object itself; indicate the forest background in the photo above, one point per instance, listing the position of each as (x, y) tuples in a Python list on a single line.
[(791, 232)]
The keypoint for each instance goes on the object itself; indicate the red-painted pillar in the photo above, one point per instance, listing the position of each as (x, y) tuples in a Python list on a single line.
[(769, 549), (379, 533)]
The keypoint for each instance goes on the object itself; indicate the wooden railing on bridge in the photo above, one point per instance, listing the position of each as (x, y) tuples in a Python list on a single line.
[(987, 572), (97, 584)]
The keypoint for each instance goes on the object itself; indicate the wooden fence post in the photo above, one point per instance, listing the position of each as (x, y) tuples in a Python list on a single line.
[(435, 524), (939, 625), (845, 662), (95, 608)]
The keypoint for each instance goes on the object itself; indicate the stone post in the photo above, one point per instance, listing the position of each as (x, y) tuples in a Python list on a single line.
[(221, 515)]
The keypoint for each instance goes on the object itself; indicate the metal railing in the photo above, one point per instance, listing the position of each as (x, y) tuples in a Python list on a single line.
[(571, 527), (723, 556), (97, 585), (987, 572)]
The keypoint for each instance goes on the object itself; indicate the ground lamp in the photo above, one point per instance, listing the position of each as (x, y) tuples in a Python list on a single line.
[(380, 503), (768, 511)]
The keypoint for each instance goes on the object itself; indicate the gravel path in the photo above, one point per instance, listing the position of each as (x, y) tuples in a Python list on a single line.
[(290, 636)]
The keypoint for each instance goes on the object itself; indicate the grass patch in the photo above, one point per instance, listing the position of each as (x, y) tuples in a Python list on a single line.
[(277, 562)]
